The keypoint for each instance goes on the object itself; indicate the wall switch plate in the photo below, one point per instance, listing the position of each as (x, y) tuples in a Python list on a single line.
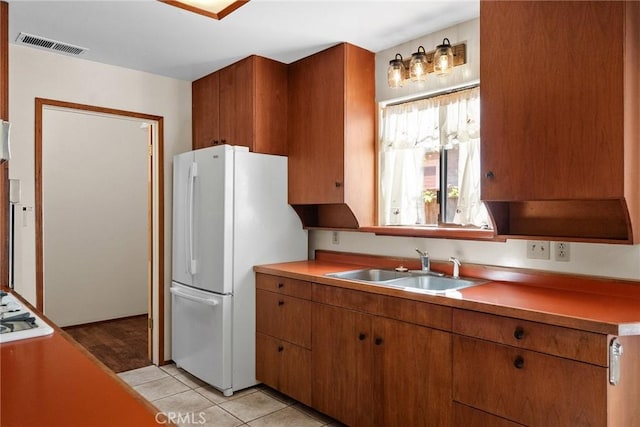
[(335, 238), (538, 249), (562, 251)]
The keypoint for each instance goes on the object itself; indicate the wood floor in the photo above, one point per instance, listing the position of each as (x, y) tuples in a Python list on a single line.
[(120, 344)]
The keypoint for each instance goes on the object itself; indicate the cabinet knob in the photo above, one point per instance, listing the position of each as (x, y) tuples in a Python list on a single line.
[(215, 142), (223, 141), (489, 175), (280, 285), (338, 184), (378, 341), (518, 333), (362, 336), (519, 362), (280, 302), (280, 348)]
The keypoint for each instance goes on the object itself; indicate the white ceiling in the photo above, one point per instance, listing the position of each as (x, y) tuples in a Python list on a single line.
[(151, 36)]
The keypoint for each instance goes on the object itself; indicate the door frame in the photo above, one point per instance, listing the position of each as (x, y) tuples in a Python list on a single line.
[(157, 161)]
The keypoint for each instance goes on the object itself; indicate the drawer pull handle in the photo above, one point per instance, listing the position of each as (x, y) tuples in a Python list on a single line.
[(519, 362), (378, 341), (280, 285), (518, 333), (280, 348), (280, 302), (362, 336)]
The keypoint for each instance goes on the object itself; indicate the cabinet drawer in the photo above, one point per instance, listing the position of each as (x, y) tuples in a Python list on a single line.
[(284, 285), (466, 416), (421, 313), (528, 387), (284, 366), (565, 342), (284, 317), (347, 298)]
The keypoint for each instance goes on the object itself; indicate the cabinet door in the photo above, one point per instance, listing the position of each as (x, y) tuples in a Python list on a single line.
[(236, 103), (341, 364), (204, 110), (528, 387), (552, 100), (412, 375), (316, 128), (285, 317), (284, 366)]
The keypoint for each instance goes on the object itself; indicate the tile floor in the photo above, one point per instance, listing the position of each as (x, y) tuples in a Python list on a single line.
[(193, 402)]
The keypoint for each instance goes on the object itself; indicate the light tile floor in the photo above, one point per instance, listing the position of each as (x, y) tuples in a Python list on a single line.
[(192, 402)]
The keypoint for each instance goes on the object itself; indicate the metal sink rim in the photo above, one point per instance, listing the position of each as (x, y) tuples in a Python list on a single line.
[(410, 276)]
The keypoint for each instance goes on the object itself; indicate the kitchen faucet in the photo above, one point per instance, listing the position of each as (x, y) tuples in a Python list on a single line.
[(456, 267), (424, 260)]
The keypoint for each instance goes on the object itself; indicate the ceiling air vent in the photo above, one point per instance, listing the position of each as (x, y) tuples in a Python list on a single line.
[(49, 44)]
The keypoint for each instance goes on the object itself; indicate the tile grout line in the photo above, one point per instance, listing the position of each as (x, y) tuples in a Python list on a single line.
[(193, 384)]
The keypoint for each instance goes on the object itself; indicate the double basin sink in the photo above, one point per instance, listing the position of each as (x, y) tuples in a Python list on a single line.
[(428, 282)]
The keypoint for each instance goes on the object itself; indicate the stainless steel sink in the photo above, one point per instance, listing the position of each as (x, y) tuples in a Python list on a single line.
[(434, 284), (371, 275), (410, 280)]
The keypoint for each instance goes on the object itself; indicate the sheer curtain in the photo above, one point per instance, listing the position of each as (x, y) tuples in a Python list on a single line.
[(409, 131)]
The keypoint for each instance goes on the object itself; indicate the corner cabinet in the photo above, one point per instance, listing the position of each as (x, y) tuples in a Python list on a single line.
[(242, 104), (331, 143), (560, 118)]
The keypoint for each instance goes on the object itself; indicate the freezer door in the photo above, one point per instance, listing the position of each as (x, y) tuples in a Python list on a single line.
[(213, 219), (201, 335), (182, 218)]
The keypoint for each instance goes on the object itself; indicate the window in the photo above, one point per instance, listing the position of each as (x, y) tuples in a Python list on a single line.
[(429, 162)]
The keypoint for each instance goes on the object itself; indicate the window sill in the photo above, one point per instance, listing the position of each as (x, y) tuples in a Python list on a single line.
[(435, 232)]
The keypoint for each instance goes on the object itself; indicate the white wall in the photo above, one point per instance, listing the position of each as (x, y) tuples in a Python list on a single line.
[(95, 227), (619, 261), (34, 73)]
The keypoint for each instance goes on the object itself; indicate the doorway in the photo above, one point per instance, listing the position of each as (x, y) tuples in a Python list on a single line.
[(99, 216)]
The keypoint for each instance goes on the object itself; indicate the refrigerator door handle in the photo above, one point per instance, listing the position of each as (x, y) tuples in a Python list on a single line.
[(192, 265), (208, 301)]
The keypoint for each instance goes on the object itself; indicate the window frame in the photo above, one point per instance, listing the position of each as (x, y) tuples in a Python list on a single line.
[(442, 229)]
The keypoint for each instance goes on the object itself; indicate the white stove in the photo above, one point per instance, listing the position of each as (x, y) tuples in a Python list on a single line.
[(17, 322)]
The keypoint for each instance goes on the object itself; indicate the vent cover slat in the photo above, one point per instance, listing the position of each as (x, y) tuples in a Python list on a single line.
[(49, 44)]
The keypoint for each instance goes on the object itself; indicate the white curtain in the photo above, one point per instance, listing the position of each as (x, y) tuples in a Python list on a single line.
[(410, 130)]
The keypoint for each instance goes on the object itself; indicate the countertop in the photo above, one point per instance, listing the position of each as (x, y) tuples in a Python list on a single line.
[(52, 381), (599, 305)]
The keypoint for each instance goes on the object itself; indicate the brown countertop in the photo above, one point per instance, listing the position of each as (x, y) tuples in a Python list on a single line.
[(606, 306), (52, 381)]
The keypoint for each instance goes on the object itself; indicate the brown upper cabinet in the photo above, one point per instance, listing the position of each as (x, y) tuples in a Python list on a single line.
[(331, 137), (561, 118), (242, 104)]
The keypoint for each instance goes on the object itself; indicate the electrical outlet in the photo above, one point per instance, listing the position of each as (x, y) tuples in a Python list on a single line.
[(335, 238), (562, 251), (538, 249)]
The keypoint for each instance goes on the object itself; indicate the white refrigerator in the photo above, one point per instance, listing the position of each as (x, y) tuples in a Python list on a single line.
[(230, 212)]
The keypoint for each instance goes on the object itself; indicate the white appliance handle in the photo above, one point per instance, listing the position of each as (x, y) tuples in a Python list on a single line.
[(192, 265), (208, 301)]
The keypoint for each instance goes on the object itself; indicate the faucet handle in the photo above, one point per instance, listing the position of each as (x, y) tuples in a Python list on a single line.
[(422, 253), (456, 267)]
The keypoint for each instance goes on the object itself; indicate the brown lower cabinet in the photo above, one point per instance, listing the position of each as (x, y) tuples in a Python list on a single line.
[(367, 359), (364, 368)]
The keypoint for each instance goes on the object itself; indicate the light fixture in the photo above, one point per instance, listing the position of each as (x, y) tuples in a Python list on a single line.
[(440, 61), (216, 9), (418, 65), (396, 71), (443, 58)]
